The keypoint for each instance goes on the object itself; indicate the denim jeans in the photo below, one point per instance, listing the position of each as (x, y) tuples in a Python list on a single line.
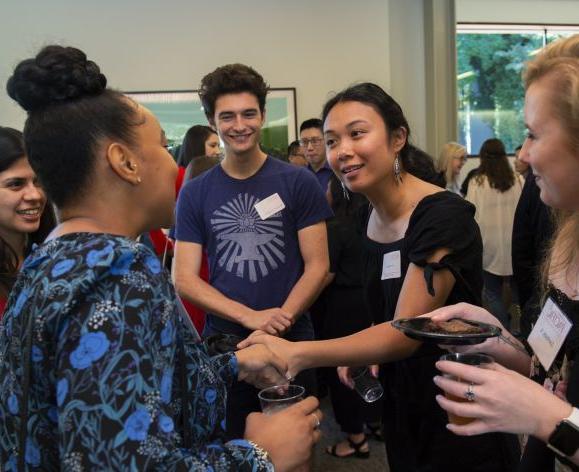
[(493, 296)]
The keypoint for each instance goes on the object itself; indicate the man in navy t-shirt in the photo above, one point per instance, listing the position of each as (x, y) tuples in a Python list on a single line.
[(262, 224)]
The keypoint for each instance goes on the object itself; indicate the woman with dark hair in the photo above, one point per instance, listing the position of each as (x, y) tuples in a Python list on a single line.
[(25, 218), (346, 313), (100, 370), (424, 251), (199, 141), (495, 192)]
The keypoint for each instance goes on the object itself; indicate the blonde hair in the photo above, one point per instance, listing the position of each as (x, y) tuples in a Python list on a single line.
[(559, 63), (447, 154)]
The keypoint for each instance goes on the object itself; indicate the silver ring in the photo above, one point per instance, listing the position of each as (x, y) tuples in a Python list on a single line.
[(318, 423), (469, 394)]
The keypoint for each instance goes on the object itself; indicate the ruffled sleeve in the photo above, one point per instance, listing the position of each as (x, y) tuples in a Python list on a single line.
[(446, 221)]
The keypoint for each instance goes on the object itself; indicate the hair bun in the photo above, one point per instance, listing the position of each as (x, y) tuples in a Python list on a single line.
[(57, 74)]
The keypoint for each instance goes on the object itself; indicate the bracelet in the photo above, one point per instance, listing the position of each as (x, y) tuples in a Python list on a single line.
[(261, 454)]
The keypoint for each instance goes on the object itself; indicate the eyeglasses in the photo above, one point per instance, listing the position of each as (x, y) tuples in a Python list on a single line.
[(313, 141)]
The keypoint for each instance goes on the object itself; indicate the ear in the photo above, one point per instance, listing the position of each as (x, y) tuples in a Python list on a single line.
[(123, 162), (399, 138), (263, 117)]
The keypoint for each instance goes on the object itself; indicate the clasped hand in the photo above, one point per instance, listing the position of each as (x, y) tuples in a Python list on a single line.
[(274, 321), (259, 366)]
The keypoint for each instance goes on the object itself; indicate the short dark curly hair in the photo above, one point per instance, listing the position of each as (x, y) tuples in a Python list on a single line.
[(231, 78)]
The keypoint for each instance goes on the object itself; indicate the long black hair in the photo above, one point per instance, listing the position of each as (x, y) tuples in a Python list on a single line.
[(194, 144), (11, 151)]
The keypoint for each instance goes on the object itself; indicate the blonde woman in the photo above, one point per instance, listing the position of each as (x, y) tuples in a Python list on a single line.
[(450, 161), (505, 400)]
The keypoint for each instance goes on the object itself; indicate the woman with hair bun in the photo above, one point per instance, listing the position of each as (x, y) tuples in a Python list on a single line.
[(25, 217), (100, 371)]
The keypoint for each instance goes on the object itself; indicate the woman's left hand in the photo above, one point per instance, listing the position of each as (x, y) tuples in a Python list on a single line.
[(259, 366), (504, 401)]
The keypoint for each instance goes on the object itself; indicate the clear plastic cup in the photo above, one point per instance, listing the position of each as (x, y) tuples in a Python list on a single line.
[(469, 359), (367, 386), (279, 397)]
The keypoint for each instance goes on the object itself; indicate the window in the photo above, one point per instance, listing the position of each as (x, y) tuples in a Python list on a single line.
[(490, 60)]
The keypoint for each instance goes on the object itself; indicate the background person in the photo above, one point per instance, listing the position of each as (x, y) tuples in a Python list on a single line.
[(199, 141), (100, 370), (495, 192), (25, 217), (346, 313), (449, 164), (295, 154), (312, 143)]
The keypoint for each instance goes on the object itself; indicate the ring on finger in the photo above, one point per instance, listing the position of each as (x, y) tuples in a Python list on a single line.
[(469, 394), (318, 422)]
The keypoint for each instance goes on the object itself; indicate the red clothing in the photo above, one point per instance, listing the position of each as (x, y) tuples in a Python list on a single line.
[(196, 314), (2, 306)]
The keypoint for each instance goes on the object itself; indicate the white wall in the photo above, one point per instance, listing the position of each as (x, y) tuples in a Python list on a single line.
[(518, 11), (315, 46)]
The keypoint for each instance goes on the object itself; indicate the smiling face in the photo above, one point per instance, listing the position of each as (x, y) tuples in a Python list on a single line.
[(548, 149), (358, 146), (22, 200), (238, 121), (212, 146), (457, 163)]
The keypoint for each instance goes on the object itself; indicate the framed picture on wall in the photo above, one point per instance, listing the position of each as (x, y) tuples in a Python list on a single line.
[(178, 110)]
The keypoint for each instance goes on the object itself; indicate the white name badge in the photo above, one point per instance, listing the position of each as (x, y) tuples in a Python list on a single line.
[(269, 206), (391, 266), (549, 333)]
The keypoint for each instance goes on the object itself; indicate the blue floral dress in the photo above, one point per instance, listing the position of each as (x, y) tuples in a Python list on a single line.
[(98, 363)]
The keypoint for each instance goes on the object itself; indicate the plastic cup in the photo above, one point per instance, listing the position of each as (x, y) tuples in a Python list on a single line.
[(367, 386), (469, 359), (279, 397)]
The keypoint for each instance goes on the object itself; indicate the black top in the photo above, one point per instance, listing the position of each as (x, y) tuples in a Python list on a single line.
[(345, 308), (537, 456), (414, 424), (532, 230), (440, 220)]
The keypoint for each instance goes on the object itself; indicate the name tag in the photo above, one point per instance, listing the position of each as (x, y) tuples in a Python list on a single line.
[(269, 206), (549, 333), (391, 266)]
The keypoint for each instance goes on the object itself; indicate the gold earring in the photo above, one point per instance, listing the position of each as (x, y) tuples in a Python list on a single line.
[(139, 180)]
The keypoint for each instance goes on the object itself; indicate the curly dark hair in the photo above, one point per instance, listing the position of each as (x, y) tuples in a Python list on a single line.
[(232, 78), (69, 110), (495, 166)]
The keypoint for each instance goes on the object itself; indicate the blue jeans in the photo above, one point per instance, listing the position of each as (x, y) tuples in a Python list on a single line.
[(493, 296)]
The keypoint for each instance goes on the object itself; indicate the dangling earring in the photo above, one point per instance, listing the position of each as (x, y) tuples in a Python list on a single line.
[(345, 191), (397, 169)]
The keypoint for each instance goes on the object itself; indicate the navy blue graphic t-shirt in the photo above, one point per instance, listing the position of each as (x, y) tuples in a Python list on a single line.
[(252, 260)]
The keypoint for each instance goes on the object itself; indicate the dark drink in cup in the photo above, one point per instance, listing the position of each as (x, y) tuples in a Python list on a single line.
[(469, 359)]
